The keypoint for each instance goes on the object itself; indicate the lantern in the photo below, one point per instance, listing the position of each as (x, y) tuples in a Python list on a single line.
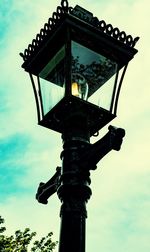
[(76, 65)]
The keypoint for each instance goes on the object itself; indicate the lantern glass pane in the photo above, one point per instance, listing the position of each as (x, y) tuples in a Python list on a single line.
[(94, 74), (52, 81), (51, 94), (54, 69), (103, 96)]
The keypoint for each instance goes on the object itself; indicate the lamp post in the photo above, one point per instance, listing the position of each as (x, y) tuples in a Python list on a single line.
[(76, 65)]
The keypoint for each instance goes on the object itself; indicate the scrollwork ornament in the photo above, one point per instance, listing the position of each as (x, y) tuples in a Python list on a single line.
[(51, 22), (109, 29), (129, 40), (135, 41), (38, 38), (70, 9), (65, 5), (26, 54), (30, 49), (59, 11), (122, 36), (116, 33), (34, 43), (43, 33), (102, 25), (55, 17), (47, 28)]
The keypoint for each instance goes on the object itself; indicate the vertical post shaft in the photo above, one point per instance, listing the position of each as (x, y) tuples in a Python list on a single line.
[(74, 190)]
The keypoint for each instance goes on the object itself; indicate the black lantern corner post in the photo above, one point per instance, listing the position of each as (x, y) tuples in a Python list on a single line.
[(76, 65)]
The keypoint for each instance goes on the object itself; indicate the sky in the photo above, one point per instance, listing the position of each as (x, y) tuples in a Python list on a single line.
[(119, 209)]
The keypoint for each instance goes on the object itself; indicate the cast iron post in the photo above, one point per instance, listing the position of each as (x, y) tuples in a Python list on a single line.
[(74, 190), (72, 180)]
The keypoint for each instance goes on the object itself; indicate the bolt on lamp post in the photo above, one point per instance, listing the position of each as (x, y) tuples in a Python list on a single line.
[(76, 65)]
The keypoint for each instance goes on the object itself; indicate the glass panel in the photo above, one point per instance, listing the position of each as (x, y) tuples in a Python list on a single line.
[(52, 81), (51, 94), (54, 70), (102, 97), (91, 70)]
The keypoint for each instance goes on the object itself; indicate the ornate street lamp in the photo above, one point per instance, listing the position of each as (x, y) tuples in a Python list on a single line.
[(76, 65), (77, 60)]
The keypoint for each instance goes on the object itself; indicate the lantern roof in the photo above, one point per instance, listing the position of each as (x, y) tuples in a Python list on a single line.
[(78, 14)]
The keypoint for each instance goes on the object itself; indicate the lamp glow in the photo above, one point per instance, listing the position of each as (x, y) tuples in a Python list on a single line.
[(79, 86), (75, 89)]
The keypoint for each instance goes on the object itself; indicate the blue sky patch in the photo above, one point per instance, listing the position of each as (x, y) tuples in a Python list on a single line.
[(12, 151)]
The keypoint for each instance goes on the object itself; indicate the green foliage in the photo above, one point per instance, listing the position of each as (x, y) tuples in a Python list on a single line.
[(20, 241), (45, 244), (2, 229)]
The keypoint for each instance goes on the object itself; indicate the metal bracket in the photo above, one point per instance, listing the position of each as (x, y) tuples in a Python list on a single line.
[(45, 190), (87, 161), (95, 152)]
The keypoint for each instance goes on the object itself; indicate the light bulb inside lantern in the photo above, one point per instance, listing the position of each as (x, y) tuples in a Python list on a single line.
[(79, 86), (75, 89)]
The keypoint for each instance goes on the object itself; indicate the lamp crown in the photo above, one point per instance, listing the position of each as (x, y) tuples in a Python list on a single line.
[(79, 13)]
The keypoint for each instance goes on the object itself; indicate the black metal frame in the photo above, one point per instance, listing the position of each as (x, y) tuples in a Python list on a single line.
[(56, 117)]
